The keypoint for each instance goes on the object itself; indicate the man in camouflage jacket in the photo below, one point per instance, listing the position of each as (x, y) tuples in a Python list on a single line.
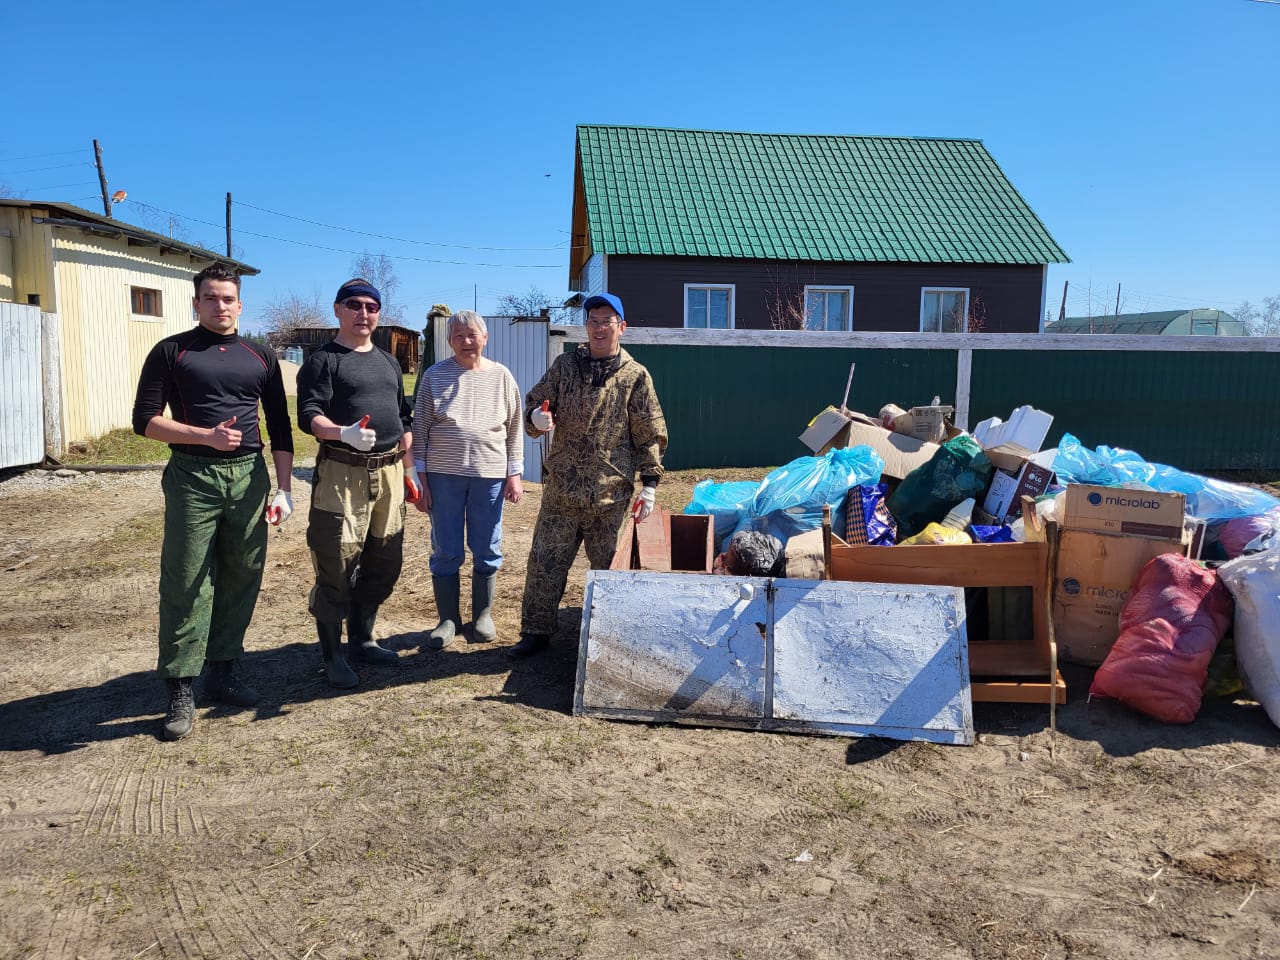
[(608, 427)]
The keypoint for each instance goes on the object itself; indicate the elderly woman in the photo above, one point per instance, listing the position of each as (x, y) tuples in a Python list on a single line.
[(468, 448)]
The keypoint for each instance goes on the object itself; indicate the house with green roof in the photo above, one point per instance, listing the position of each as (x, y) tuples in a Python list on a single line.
[(1205, 322), (721, 230)]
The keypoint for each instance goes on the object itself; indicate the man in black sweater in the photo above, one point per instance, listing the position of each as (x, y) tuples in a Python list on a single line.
[(351, 398), (216, 490)]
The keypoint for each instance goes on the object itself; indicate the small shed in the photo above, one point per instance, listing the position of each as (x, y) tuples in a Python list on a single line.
[(401, 342)]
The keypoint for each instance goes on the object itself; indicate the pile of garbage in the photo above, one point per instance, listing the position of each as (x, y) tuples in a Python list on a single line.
[(1142, 586)]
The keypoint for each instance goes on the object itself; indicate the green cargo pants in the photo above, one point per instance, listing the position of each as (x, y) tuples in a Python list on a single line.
[(215, 545)]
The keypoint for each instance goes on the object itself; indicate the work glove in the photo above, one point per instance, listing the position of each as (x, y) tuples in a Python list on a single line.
[(644, 504), (412, 492), (358, 435), (281, 508), (541, 418)]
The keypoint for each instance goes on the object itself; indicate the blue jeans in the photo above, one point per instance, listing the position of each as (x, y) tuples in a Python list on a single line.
[(475, 502)]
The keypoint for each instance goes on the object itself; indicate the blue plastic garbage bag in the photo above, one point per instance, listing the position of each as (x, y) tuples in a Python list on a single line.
[(725, 503), (790, 498), (1207, 499), (1001, 533)]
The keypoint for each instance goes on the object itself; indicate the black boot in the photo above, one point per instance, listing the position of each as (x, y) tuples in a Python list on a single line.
[(336, 669), (530, 643), (360, 619), (482, 627), (182, 708), (446, 594), (221, 684)]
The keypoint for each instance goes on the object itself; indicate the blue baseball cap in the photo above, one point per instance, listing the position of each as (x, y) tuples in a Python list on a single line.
[(604, 300)]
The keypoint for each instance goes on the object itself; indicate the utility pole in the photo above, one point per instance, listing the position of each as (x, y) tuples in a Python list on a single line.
[(1062, 310), (1117, 313), (228, 224), (102, 178)]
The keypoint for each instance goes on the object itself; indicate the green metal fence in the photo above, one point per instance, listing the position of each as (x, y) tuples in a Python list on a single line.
[(735, 398)]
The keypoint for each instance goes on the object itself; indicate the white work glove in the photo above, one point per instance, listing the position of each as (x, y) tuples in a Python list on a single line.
[(541, 418), (359, 435), (281, 508), (644, 504)]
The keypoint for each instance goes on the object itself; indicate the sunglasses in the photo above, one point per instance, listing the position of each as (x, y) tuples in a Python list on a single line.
[(355, 306)]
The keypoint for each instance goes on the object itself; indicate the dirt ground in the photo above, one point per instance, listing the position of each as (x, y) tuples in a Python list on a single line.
[(452, 807)]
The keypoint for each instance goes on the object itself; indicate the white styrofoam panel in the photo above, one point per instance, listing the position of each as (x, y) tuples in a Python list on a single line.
[(873, 656), (663, 643), (21, 386), (791, 655)]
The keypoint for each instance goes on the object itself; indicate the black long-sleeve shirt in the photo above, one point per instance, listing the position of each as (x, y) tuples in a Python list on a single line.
[(344, 385), (206, 378)]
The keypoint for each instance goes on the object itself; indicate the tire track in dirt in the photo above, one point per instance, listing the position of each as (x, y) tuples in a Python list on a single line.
[(132, 800)]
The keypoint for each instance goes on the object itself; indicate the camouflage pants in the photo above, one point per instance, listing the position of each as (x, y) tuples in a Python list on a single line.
[(355, 530), (560, 530)]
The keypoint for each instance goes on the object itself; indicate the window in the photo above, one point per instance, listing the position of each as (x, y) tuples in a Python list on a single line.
[(708, 306), (944, 310), (828, 308), (144, 302)]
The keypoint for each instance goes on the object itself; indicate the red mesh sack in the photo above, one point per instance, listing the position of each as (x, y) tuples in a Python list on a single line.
[(1175, 616)]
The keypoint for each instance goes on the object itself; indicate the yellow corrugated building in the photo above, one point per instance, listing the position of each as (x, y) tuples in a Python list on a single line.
[(117, 290)]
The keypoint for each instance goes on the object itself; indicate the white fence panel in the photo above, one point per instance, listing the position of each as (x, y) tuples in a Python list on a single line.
[(21, 396)]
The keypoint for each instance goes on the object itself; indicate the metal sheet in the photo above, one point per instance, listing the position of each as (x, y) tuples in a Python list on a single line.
[(21, 403), (873, 658), (854, 659)]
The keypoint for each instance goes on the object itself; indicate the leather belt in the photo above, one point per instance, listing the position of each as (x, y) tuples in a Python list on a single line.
[(370, 460)]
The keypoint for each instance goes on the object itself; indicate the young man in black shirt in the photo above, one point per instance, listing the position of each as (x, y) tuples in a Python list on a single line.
[(216, 491), (364, 473)]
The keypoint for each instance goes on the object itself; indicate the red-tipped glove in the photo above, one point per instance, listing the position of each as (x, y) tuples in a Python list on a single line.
[(412, 492), (541, 418), (644, 504), (281, 508), (358, 435)]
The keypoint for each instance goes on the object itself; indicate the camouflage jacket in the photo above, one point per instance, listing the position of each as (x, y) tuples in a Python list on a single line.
[(603, 436)]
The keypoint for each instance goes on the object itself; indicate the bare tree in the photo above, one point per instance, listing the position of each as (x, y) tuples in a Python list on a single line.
[(974, 322), (7, 191), (1263, 321), (784, 300), (532, 304), (284, 314), (381, 272)]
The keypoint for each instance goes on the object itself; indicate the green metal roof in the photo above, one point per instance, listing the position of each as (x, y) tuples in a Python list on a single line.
[(700, 193), (1206, 320)]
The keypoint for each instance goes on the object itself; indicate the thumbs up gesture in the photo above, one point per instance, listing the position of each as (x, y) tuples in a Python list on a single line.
[(224, 436), (358, 435), (541, 418)]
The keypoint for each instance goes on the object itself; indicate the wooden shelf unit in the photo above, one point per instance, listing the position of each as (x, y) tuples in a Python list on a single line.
[(1021, 672)]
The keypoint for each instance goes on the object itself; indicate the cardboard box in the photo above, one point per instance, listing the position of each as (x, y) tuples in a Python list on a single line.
[(1091, 583), (1004, 496), (1141, 513), (925, 423), (833, 428)]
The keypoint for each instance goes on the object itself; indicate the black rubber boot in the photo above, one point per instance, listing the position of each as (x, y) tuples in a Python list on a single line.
[(182, 708), (482, 626), (222, 685), (530, 643), (446, 591), (360, 620), (336, 669)]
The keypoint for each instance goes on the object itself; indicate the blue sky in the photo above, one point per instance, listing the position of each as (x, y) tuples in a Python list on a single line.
[(1143, 132)]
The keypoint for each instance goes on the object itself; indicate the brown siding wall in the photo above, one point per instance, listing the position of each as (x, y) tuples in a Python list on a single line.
[(886, 296)]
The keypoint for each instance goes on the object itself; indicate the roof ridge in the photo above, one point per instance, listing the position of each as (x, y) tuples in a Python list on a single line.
[(765, 133)]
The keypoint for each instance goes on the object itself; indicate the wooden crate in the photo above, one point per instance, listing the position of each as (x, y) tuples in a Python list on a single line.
[(1023, 671), (664, 542)]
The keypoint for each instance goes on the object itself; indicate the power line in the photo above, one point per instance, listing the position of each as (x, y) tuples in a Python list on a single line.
[(58, 166), (383, 236), (38, 156), (357, 253)]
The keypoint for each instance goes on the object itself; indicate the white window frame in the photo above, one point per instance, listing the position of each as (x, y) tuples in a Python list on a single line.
[(828, 288), (924, 294), (733, 303)]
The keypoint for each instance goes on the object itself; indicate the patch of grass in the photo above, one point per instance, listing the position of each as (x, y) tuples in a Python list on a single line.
[(124, 447)]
